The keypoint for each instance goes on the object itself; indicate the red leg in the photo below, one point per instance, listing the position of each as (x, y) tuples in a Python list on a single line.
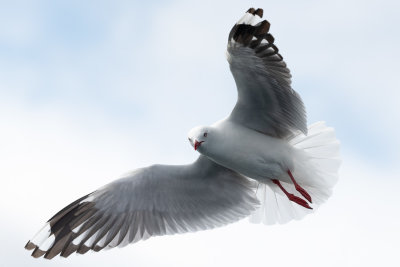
[(299, 188), (292, 197)]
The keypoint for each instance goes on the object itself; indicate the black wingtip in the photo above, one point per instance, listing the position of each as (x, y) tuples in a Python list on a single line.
[(71, 248), (83, 249), (37, 253), (30, 245), (251, 10), (259, 12)]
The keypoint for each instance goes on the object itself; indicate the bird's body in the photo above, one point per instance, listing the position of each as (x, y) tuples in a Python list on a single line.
[(264, 139), (247, 151)]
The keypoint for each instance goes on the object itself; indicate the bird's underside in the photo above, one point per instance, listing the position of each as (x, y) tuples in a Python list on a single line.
[(170, 199)]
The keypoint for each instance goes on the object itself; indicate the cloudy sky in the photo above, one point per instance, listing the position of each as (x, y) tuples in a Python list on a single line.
[(91, 90)]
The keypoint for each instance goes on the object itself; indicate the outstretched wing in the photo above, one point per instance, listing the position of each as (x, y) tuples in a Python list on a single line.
[(266, 102), (151, 201)]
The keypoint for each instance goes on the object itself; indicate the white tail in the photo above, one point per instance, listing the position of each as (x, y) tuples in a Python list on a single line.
[(316, 164)]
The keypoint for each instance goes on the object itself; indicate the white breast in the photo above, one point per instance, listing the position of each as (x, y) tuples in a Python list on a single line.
[(248, 152)]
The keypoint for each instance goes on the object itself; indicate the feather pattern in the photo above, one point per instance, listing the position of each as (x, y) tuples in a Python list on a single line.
[(151, 201), (266, 102)]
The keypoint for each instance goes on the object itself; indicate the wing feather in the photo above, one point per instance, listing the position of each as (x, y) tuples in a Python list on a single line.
[(266, 102), (151, 201)]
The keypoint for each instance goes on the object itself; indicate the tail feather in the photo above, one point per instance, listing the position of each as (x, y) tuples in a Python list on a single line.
[(316, 163)]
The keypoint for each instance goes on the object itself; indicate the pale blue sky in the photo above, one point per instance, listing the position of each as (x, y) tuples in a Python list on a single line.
[(93, 55), (91, 90)]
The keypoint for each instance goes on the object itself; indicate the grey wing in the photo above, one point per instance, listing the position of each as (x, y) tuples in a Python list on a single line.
[(151, 201), (266, 102)]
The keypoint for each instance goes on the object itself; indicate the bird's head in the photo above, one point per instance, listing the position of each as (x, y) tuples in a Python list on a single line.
[(198, 137)]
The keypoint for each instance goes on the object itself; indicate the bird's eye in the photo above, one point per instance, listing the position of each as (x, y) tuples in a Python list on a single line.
[(205, 134)]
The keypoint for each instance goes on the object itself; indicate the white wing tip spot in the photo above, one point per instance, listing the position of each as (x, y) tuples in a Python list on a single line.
[(250, 19), (43, 239)]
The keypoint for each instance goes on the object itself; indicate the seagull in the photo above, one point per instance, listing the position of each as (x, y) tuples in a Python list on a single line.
[(262, 162)]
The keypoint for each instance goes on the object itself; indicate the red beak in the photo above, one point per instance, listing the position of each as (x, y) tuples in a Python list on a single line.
[(197, 144)]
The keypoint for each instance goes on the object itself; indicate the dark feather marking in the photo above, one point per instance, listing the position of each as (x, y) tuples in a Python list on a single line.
[(37, 252), (251, 11), (84, 207), (97, 248), (30, 245), (68, 244), (243, 33), (71, 248), (259, 12), (90, 222), (262, 28), (270, 38), (275, 48), (66, 251), (84, 217), (63, 236), (83, 249), (255, 43), (64, 221), (96, 227), (58, 245), (65, 210), (59, 224), (230, 36)]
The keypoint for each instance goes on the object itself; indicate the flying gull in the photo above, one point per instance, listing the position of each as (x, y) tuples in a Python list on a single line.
[(261, 161)]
